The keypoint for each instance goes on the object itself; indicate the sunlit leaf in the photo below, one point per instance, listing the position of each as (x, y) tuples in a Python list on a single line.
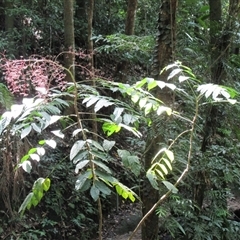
[(35, 157), (135, 97), (141, 83), (129, 118), (163, 168), (170, 66), (171, 86), (17, 109), (81, 180), (117, 112), (102, 103), (54, 118), (131, 197), (40, 151), (42, 142), (25, 203), (81, 165), (233, 93), (76, 148), (46, 184), (162, 109), (26, 131), (182, 78), (90, 100), (28, 101), (46, 116), (75, 132), (32, 150), (27, 166), (169, 165), (151, 83), (142, 102), (36, 127), (35, 199), (109, 128), (148, 108), (124, 191), (51, 143), (38, 195), (119, 190), (169, 154), (131, 129), (225, 94), (174, 73), (58, 133), (232, 101), (159, 173), (5, 121), (107, 145), (24, 158), (161, 84)]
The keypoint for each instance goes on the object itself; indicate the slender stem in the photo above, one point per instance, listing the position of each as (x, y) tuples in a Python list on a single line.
[(100, 219), (178, 180)]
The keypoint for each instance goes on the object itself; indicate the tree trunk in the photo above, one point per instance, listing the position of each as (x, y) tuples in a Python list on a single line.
[(82, 29), (219, 49), (69, 41), (129, 30), (164, 55), (131, 13), (69, 44), (90, 30)]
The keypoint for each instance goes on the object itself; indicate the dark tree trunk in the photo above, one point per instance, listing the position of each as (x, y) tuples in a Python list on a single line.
[(131, 13), (163, 56), (80, 38), (220, 43), (69, 41), (90, 30), (69, 44), (129, 30)]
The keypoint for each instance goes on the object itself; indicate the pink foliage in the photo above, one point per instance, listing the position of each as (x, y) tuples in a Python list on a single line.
[(25, 76)]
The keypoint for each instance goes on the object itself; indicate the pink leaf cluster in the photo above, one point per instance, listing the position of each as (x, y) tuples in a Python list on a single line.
[(25, 76)]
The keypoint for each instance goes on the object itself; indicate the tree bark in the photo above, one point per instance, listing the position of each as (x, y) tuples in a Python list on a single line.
[(69, 40), (129, 30), (69, 44), (131, 14), (164, 55), (80, 38), (220, 43), (90, 31)]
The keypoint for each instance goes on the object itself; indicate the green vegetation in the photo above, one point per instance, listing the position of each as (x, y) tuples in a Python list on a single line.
[(109, 112)]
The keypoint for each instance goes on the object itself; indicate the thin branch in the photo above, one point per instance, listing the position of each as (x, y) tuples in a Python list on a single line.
[(178, 180)]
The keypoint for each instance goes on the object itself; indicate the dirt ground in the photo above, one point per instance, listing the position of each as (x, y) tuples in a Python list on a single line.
[(119, 224)]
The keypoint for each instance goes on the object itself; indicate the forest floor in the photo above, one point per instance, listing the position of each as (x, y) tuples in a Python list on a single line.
[(118, 225)]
